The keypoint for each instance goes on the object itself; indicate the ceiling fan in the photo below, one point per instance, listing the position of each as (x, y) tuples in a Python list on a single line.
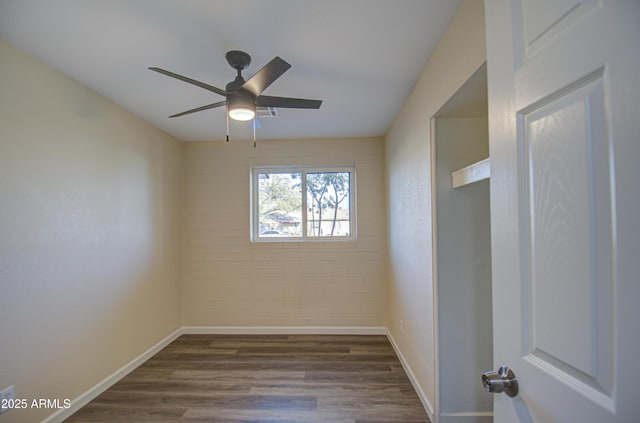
[(243, 97)]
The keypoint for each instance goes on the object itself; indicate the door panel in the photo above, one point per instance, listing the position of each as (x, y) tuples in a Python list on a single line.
[(566, 209), (564, 96), (537, 22)]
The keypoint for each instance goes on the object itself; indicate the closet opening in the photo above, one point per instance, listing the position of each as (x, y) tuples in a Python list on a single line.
[(462, 253)]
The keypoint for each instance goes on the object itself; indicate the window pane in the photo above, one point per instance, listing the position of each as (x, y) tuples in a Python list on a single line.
[(279, 204), (328, 213)]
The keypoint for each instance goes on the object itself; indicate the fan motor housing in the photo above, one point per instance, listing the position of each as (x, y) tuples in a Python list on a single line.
[(241, 97)]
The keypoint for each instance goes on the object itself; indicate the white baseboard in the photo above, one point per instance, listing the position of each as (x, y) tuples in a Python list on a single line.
[(467, 417), (106, 383), (412, 377), (284, 330)]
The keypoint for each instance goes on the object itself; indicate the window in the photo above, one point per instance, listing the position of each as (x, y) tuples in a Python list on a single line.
[(302, 204)]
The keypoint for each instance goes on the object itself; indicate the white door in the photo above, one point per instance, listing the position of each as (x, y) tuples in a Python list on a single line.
[(564, 126)]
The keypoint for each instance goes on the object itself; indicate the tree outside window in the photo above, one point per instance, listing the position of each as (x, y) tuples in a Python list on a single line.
[(328, 200)]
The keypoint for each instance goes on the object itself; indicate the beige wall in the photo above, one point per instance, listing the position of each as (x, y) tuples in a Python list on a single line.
[(230, 281), (407, 157), (89, 236)]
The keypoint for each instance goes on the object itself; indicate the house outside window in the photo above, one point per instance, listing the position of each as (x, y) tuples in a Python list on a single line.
[(302, 204)]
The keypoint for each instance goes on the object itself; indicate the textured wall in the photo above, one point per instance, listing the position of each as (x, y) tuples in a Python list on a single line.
[(89, 235), (230, 281), (407, 157)]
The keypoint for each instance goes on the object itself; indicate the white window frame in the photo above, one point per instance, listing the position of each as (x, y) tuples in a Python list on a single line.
[(303, 170)]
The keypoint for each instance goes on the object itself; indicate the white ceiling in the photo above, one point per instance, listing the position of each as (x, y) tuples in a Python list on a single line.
[(361, 57)]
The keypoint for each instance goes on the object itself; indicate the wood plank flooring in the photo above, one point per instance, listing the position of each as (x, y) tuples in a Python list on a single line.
[(271, 378)]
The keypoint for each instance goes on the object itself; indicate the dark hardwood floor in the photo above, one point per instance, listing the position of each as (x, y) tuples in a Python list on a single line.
[(288, 378)]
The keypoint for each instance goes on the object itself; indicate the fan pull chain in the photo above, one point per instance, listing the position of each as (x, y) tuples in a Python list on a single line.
[(227, 126), (254, 131)]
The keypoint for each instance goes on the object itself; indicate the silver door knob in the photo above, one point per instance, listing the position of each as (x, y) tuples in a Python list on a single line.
[(504, 380)]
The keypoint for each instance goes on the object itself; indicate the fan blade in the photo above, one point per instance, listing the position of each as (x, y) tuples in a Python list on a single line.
[(201, 108), (265, 76), (190, 81), (287, 102)]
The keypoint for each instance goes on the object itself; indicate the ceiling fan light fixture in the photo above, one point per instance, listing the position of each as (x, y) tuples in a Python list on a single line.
[(241, 108), (241, 113)]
